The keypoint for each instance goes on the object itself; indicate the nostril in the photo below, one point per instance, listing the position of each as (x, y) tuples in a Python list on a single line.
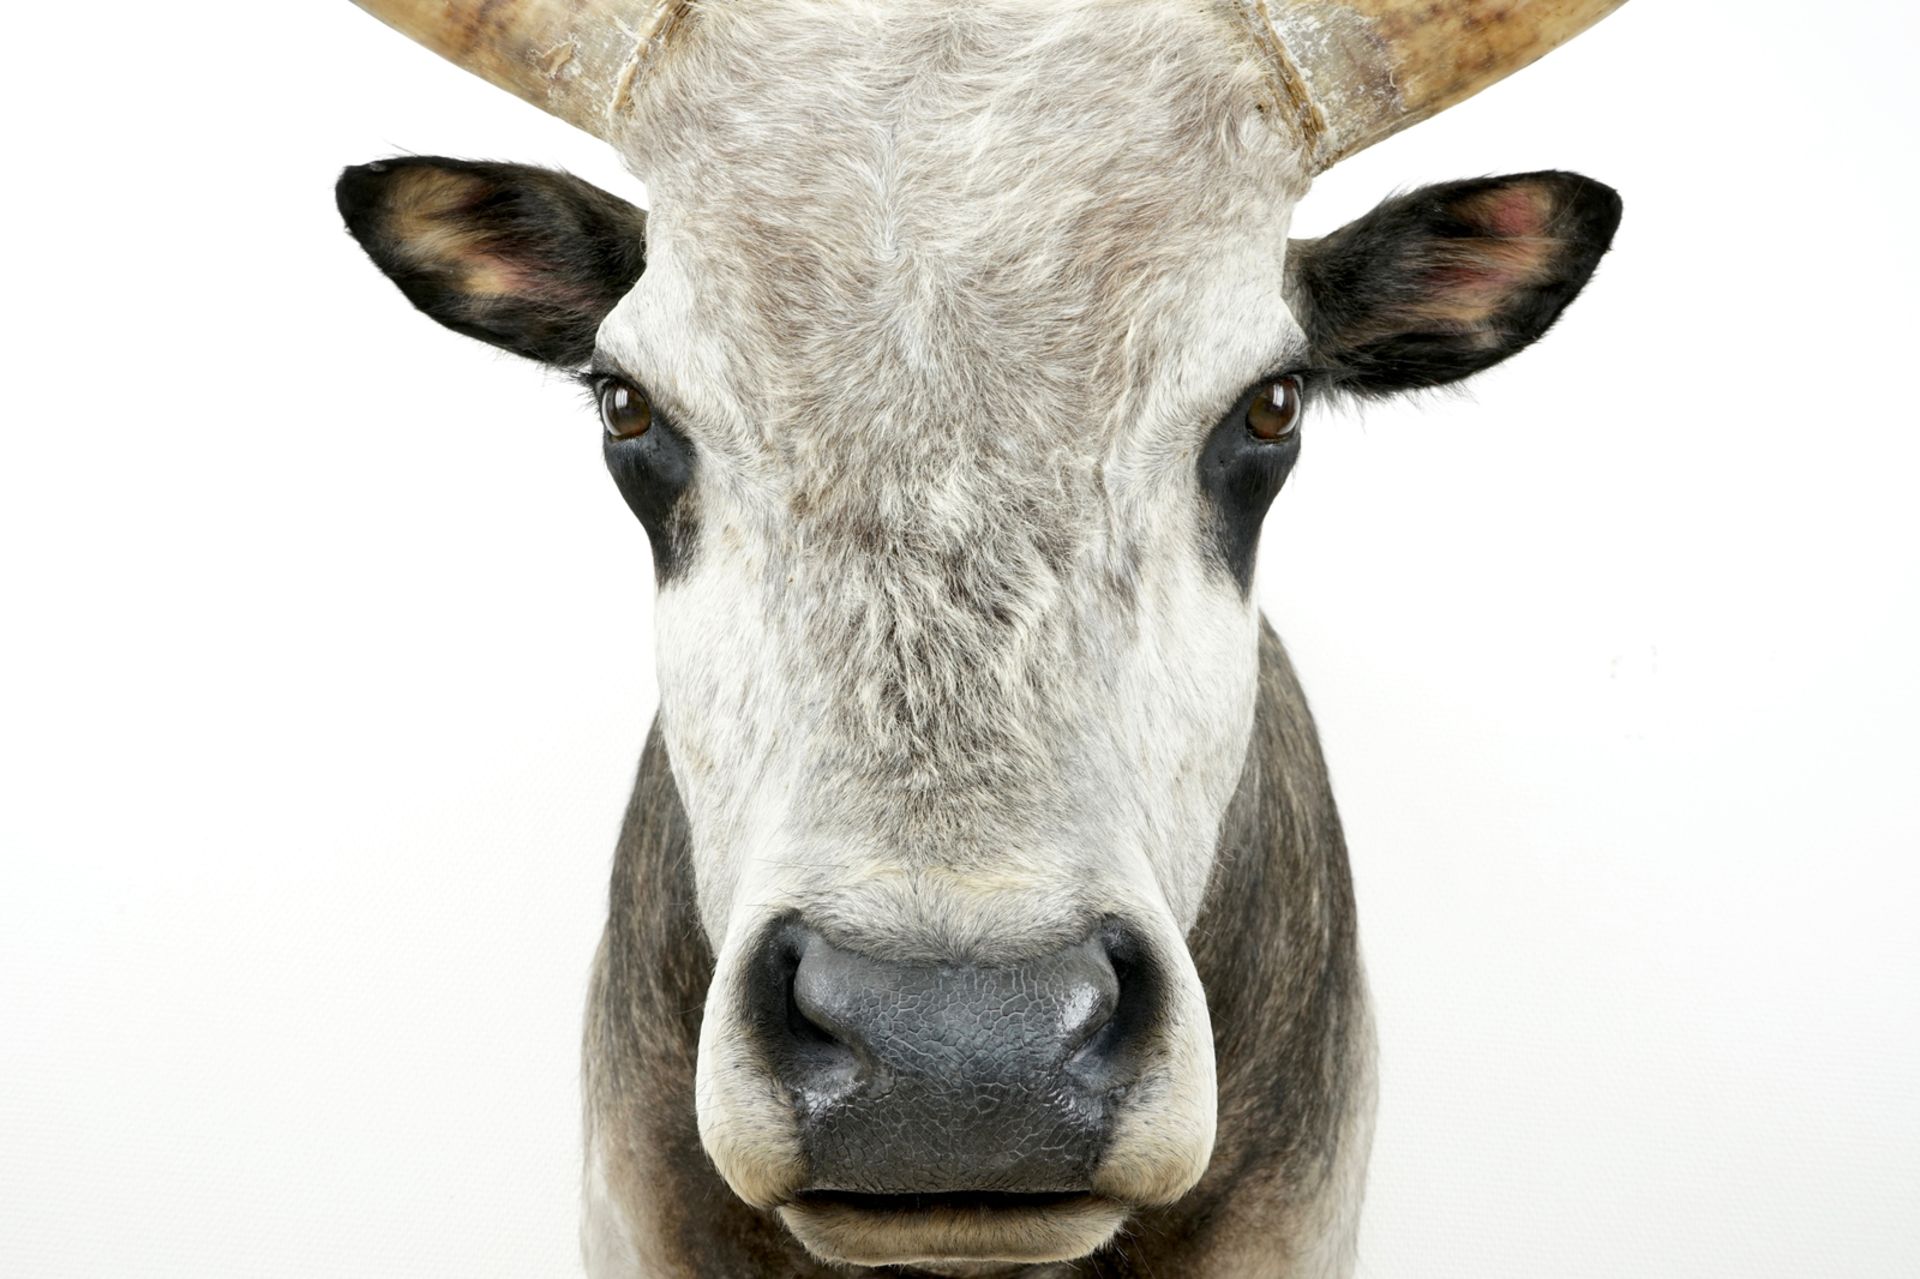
[(817, 997), (806, 1043), (1089, 999), (807, 1022), (1115, 1041)]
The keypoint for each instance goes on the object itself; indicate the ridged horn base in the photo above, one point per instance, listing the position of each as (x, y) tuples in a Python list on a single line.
[(1351, 72), (575, 59)]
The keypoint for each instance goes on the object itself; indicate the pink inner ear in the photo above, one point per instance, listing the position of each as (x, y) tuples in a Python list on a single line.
[(1471, 279), (1511, 213), (487, 273)]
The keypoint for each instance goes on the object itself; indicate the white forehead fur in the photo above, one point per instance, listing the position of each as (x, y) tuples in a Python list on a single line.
[(947, 298)]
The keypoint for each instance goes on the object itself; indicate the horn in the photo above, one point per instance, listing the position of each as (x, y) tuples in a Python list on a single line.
[(574, 58), (1352, 72)]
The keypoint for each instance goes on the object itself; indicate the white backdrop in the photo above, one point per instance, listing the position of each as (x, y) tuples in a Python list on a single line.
[(326, 659)]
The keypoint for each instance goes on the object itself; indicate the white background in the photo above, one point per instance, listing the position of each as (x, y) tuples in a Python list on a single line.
[(326, 661)]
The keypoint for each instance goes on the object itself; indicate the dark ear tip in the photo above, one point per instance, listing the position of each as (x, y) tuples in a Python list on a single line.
[(1608, 210), (1594, 207), (357, 193)]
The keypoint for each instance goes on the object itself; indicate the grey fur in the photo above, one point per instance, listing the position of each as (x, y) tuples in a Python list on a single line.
[(948, 298), (948, 301), (1276, 949)]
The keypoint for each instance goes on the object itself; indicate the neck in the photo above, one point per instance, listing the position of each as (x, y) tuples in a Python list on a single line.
[(1275, 949)]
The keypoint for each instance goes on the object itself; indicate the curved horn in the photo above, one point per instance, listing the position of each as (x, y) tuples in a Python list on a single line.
[(1356, 71), (573, 58)]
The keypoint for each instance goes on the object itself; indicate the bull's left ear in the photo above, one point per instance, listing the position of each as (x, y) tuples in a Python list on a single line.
[(527, 259), (1441, 283)]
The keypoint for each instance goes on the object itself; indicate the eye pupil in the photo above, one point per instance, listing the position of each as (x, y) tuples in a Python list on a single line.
[(624, 410), (1274, 414)]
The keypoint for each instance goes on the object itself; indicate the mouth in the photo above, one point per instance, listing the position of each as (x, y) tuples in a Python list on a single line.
[(948, 1227)]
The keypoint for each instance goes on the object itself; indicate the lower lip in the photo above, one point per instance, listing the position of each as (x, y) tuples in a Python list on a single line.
[(962, 1201), (880, 1230)]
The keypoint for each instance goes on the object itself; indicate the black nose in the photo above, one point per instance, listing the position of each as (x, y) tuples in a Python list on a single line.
[(942, 1078)]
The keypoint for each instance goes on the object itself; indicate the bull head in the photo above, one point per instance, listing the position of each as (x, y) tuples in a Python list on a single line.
[(951, 375)]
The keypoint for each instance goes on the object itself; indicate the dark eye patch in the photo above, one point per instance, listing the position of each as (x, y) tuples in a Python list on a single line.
[(654, 472), (1240, 474)]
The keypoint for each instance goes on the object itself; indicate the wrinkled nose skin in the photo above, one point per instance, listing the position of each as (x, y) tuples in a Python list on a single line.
[(940, 1079)]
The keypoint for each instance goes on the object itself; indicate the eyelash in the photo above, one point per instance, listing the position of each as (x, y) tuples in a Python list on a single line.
[(591, 383)]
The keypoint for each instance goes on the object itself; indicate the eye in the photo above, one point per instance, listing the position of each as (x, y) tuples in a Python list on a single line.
[(653, 465), (624, 409), (1274, 414)]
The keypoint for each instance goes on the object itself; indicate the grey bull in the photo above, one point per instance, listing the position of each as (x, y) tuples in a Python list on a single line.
[(982, 907)]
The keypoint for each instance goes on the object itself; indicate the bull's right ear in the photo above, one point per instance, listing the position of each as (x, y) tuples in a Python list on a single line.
[(527, 259)]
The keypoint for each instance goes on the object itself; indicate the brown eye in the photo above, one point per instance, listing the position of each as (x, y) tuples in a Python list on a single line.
[(1274, 414), (624, 409)]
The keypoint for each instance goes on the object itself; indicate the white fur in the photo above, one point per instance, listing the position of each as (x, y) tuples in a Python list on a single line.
[(947, 299)]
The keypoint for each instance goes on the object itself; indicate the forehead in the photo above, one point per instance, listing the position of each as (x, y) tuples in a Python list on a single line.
[(915, 215)]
